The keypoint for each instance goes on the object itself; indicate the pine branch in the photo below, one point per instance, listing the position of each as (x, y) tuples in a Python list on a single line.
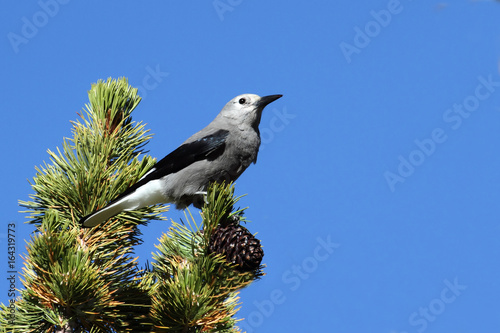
[(85, 278), (193, 289), (99, 162)]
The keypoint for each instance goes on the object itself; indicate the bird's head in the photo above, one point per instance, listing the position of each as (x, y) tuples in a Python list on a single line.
[(247, 109)]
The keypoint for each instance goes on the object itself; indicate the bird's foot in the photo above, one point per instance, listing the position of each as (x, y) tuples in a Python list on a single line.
[(204, 193)]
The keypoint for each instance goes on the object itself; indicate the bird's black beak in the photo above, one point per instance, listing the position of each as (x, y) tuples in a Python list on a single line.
[(267, 99)]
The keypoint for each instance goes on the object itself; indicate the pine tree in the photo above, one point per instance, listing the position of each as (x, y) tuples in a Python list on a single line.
[(87, 280)]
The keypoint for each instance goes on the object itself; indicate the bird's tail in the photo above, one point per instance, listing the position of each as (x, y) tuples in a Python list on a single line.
[(144, 195), (101, 215)]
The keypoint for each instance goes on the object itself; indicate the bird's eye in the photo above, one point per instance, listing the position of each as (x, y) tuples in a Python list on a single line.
[(242, 101)]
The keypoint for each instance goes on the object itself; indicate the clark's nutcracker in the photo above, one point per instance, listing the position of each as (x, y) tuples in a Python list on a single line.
[(221, 151)]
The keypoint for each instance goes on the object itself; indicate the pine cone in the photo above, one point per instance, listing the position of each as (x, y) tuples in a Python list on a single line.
[(238, 245)]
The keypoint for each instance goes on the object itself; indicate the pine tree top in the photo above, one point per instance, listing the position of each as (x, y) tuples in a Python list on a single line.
[(86, 280)]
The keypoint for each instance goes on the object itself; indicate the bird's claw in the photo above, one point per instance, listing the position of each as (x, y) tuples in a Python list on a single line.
[(205, 196)]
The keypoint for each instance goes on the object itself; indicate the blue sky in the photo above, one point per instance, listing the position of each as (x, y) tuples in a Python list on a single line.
[(377, 186)]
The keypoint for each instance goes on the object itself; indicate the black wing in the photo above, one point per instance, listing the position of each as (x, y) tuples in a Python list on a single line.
[(208, 147)]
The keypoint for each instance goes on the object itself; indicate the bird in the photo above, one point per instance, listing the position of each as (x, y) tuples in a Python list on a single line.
[(221, 151)]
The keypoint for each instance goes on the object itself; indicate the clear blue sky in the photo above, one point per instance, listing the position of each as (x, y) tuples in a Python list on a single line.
[(376, 193)]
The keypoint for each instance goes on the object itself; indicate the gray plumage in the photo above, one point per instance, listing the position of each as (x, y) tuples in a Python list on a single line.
[(219, 152)]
